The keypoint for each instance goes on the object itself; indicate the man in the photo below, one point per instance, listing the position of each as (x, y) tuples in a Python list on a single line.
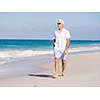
[(61, 44)]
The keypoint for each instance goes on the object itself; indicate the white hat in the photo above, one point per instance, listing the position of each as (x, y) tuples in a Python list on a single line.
[(60, 21)]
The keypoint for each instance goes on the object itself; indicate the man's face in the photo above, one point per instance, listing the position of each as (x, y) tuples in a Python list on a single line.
[(59, 25)]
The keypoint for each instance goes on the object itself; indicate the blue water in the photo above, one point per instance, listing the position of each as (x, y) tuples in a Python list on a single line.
[(10, 44), (25, 44), (85, 43)]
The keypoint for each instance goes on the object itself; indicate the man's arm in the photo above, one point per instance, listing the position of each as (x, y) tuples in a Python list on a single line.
[(67, 46)]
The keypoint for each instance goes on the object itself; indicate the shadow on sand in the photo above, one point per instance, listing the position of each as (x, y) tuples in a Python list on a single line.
[(40, 75)]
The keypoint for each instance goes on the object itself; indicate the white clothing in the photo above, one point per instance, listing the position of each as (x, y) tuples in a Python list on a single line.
[(60, 43)]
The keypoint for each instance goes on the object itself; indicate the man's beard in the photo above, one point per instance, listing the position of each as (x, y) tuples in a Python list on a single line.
[(58, 28)]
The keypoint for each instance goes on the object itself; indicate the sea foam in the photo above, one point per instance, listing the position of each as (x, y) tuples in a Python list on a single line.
[(11, 55)]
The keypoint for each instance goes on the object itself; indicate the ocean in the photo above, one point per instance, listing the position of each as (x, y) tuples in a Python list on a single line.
[(13, 49)]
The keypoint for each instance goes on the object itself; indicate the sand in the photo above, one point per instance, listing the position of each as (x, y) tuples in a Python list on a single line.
[(83, 70)]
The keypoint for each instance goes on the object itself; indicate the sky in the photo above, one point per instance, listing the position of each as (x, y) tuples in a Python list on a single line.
[(41, 25)]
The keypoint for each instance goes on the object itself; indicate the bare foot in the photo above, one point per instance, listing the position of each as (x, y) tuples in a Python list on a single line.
[(55, 76), (62, 75)]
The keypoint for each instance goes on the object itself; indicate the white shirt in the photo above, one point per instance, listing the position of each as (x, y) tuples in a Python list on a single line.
[(61, 37)]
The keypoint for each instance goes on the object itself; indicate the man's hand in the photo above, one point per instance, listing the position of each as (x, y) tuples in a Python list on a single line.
[(67, 46), (66, 52)]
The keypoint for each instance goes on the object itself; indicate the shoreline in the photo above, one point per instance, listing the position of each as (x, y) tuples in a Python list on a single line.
[(44, 55)]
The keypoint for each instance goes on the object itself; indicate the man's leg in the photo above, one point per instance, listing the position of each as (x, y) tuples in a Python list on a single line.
[(63, 67), (56, 65)]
